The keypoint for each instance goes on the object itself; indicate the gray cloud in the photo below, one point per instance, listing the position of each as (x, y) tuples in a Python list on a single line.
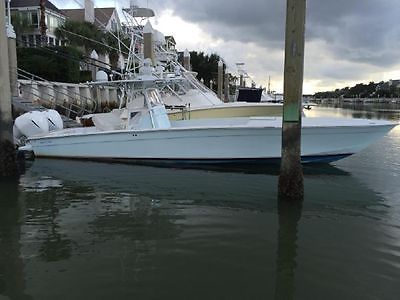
[(357, 30)]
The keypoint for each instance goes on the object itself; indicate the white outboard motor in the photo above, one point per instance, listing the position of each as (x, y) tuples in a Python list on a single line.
[(29, 124), (54, 120), (35, 123)]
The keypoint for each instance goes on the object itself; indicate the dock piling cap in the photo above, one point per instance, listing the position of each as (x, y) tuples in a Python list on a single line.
[(10, 31), (94, 55), (186, 53), (148, 28)]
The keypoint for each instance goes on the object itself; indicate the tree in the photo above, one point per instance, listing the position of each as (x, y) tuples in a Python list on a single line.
[(82, 35), (51, 63), (21, 25), (113, 47), (206, 66)]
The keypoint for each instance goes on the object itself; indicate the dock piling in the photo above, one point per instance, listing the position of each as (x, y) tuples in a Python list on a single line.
[(226, 87), (12, 59), (220, 78), (148, 42), (186, 60), (8, 166), (291, 185), (241, 80)]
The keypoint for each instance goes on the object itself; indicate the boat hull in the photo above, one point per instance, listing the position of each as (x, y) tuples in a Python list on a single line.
[(207, 145)]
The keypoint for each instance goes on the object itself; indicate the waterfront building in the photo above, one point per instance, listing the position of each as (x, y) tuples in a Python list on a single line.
[(27, 14), (170, 43), (106, 19)]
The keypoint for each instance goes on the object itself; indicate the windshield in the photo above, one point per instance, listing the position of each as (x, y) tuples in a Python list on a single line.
[(154, 97)]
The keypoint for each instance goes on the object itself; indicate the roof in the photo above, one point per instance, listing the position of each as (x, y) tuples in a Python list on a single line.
[(75, 14), (102, 15), (29, 3), (170, 38)]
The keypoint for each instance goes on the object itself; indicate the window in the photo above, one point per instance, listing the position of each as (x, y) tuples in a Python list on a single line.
[(52, 22), (34, 19)]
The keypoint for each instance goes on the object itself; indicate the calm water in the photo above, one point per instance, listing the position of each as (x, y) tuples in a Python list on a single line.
[(77, 230)]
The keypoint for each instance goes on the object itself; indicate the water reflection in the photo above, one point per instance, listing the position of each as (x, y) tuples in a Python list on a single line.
[(143, 221), (43, 209), (289, 216), (123, 231), (12, 278), (385, 111), (225, 187)]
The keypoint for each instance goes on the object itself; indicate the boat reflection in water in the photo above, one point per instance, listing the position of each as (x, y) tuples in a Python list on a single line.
[(12, 275), (127, 231)]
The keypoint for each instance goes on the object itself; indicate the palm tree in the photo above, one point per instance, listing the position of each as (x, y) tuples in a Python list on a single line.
[(43, 27)]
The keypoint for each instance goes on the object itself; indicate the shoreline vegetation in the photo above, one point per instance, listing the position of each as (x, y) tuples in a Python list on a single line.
[(381, 91)]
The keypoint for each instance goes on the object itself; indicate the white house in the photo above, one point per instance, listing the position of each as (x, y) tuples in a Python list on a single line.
[(106, 18), (29, 10)]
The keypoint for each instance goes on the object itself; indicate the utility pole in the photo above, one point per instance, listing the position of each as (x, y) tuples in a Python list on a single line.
[(291, 185), (8, 166)]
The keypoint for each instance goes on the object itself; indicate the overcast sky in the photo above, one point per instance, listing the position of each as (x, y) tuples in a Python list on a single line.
[(348, 41)]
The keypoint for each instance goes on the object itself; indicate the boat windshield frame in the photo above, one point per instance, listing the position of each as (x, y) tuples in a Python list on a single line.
[(153, 97)]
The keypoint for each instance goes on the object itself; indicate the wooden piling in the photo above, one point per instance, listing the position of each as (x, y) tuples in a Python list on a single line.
[(186, 60), (12, 60), (94, 66), (226, 88), (148, 42), (220, 78), (291, 185), (8, 166)]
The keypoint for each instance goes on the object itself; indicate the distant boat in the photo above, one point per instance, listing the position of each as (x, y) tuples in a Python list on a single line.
[(249, 94)]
